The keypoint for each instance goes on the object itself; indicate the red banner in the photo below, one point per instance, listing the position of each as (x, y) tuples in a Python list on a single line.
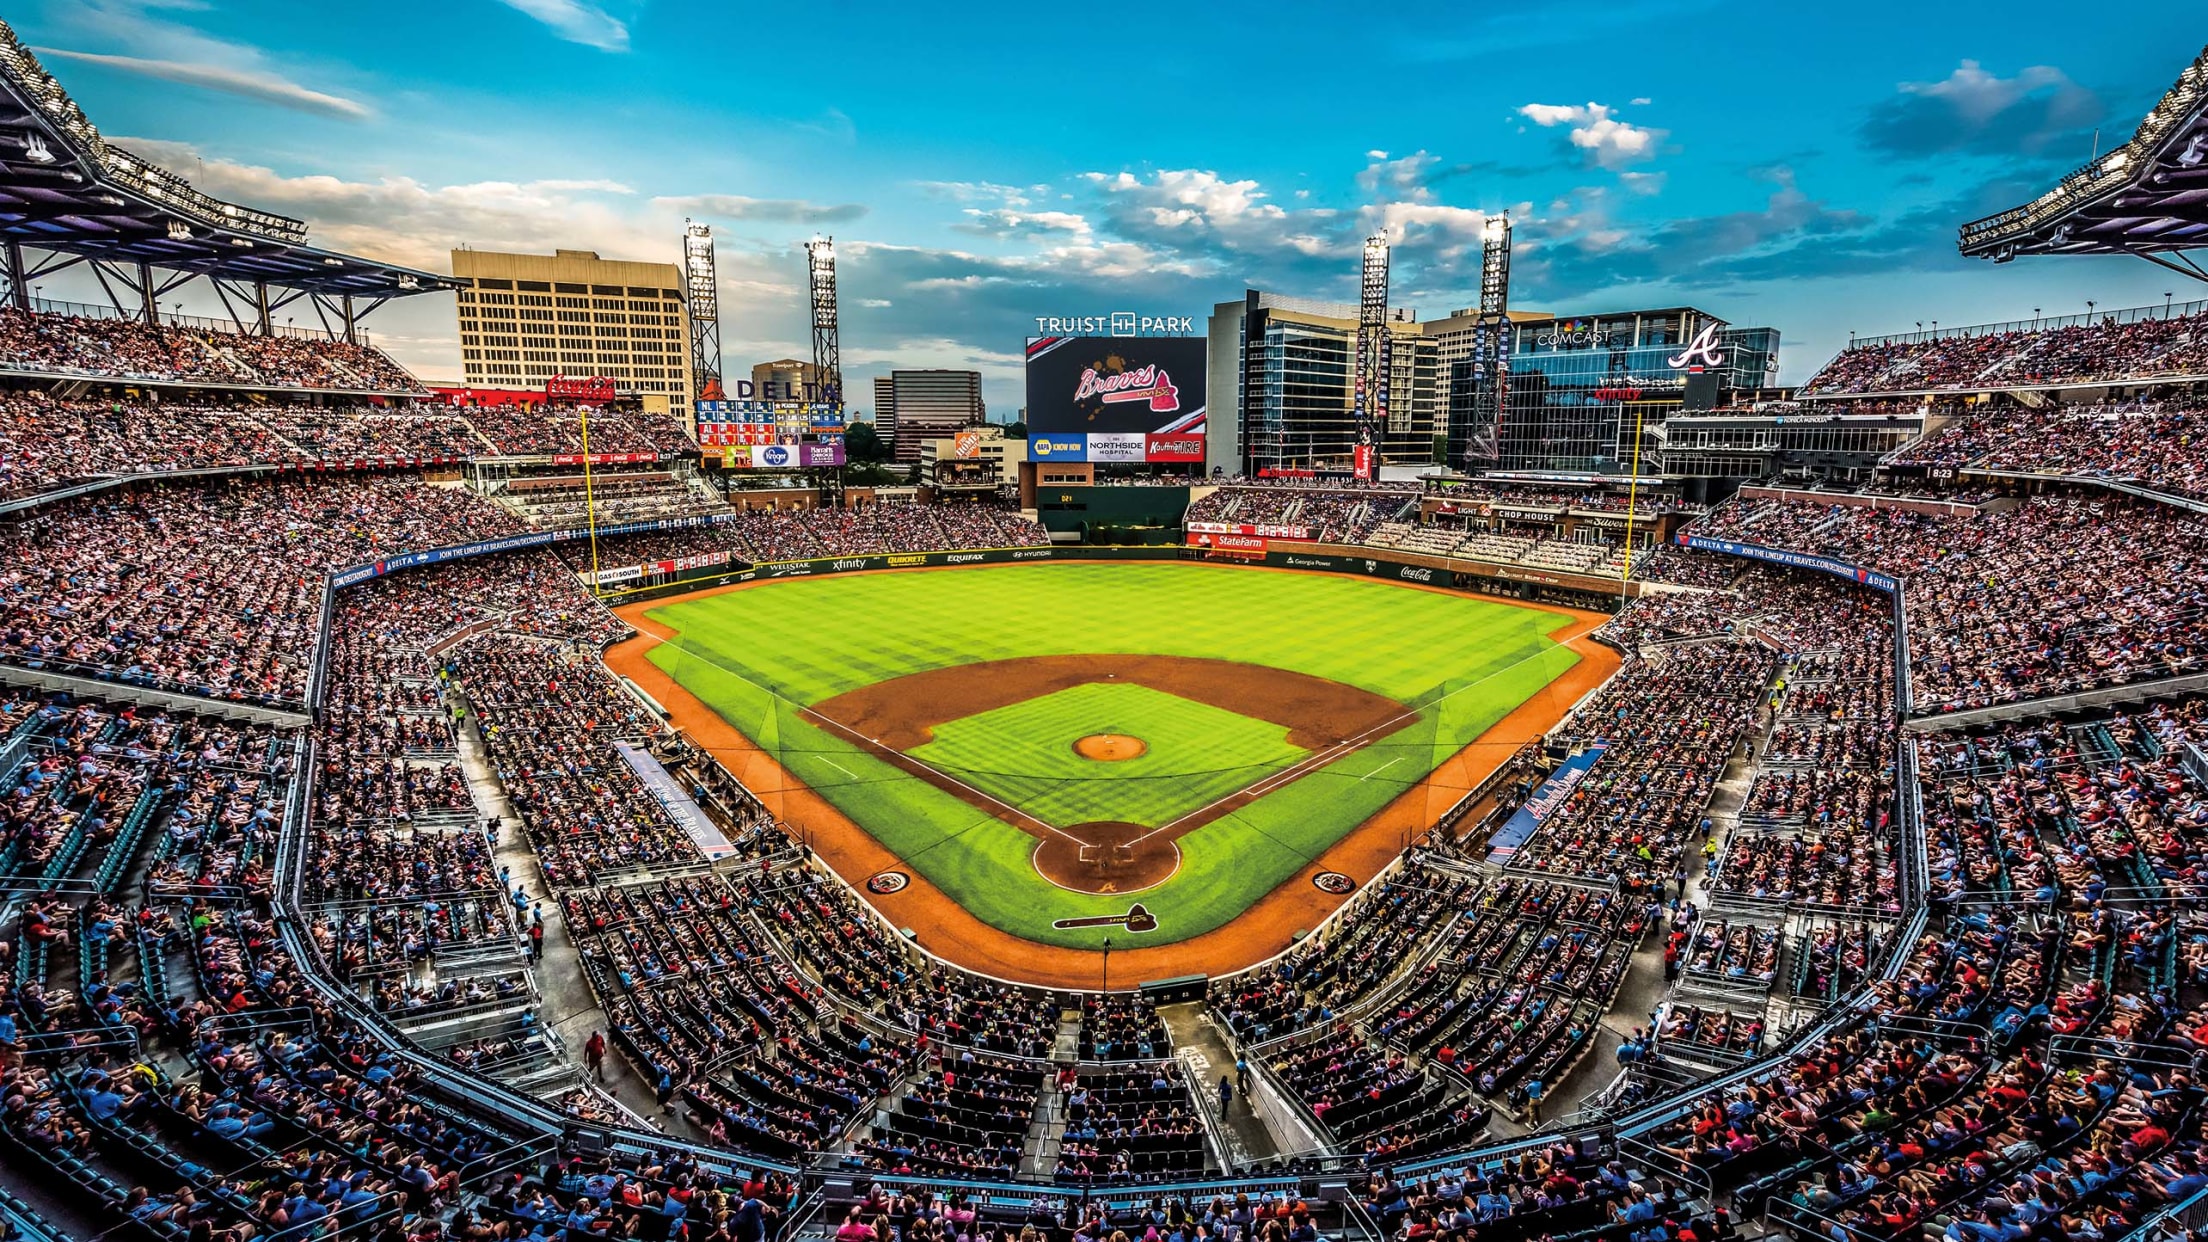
[(1172, 446), (1364, 461), (1228, 545), (593, 388), (602, 459), (1264, 530)]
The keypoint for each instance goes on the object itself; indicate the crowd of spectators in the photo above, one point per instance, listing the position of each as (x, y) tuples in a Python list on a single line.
[(2058, 594), (537, 429), (2109, 349), (211, 588), (2163, 445), (47, 441), (128, 349), (1670, 722), (1331, 513), (762, 535)]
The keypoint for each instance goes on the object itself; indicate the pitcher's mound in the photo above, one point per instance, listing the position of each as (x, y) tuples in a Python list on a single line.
[(1105, 857), (1110, 747)]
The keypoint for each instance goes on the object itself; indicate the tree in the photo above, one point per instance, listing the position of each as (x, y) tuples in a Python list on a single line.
[(1015, 431), (863, 445)]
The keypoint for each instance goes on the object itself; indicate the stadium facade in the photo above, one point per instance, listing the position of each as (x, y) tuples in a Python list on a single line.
[(1576, 386), (1579, 388)]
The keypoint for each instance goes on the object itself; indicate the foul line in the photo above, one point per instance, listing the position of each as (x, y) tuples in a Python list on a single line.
[(1347, 746), (1382, 768), (895, 758)]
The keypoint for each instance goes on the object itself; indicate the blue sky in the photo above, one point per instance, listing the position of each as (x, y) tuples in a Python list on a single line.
[(1803, 167)]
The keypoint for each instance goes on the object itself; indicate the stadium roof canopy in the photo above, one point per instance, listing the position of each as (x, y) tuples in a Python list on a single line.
[(64, 190), (2148, 197)]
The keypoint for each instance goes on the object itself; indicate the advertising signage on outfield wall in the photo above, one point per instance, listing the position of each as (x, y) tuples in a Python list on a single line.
[(777, 456), (1261, 529), (1120, 399)]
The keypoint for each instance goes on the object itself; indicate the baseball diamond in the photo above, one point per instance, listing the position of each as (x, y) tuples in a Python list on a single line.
[(1036, 743)]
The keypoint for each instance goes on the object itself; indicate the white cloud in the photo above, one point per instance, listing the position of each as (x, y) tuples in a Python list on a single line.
[(250, 83), (778, 210), (1405, 178), (1010, 222), (577, 22), (1595, 131)]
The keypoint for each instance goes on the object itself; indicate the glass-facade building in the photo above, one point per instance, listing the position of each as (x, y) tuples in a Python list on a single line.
[(1576, 389), (1296, 398)]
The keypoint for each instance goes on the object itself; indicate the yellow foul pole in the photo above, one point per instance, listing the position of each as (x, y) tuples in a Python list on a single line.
[(1632, 500), (590, 504)]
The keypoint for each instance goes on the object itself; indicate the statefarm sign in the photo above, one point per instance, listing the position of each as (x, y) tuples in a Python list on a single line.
[(1228, 545)]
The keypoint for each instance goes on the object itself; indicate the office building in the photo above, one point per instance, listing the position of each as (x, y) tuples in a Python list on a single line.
[(1289, 402), (911, 407), (525, 318), (789, 379), (885, 410), (980, 458)]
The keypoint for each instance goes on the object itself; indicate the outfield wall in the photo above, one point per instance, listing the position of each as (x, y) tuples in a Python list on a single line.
[(1480, 577)]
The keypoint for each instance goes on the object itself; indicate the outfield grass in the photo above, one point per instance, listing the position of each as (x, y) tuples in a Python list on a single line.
[(760, 655), (1023, 753)]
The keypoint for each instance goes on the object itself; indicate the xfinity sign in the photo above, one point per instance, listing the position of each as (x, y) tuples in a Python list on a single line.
[(1117, 323)]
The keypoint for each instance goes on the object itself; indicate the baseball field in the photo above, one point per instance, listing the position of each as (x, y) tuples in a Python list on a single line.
[(1045, 743)]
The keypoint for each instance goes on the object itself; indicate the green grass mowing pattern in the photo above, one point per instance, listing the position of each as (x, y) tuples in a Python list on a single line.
[(1023, 754), (759, 655)]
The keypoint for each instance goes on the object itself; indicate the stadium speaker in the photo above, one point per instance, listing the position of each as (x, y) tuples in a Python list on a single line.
[(1590, 1146), (587, 1142)]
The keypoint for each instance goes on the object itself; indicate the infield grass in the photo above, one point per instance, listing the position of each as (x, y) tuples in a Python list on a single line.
[(760, 655), (1024, 754)]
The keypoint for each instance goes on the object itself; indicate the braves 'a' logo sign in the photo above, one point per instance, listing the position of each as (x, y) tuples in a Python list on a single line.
[(1700, 352)]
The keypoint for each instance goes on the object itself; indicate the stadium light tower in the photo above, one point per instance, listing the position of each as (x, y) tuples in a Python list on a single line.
[(820, 262), (1495, 266), (1480, 442), (703, 290), (1369, 398)]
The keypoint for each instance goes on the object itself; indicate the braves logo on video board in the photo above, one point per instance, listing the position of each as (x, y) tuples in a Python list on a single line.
[(1146, 383)]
